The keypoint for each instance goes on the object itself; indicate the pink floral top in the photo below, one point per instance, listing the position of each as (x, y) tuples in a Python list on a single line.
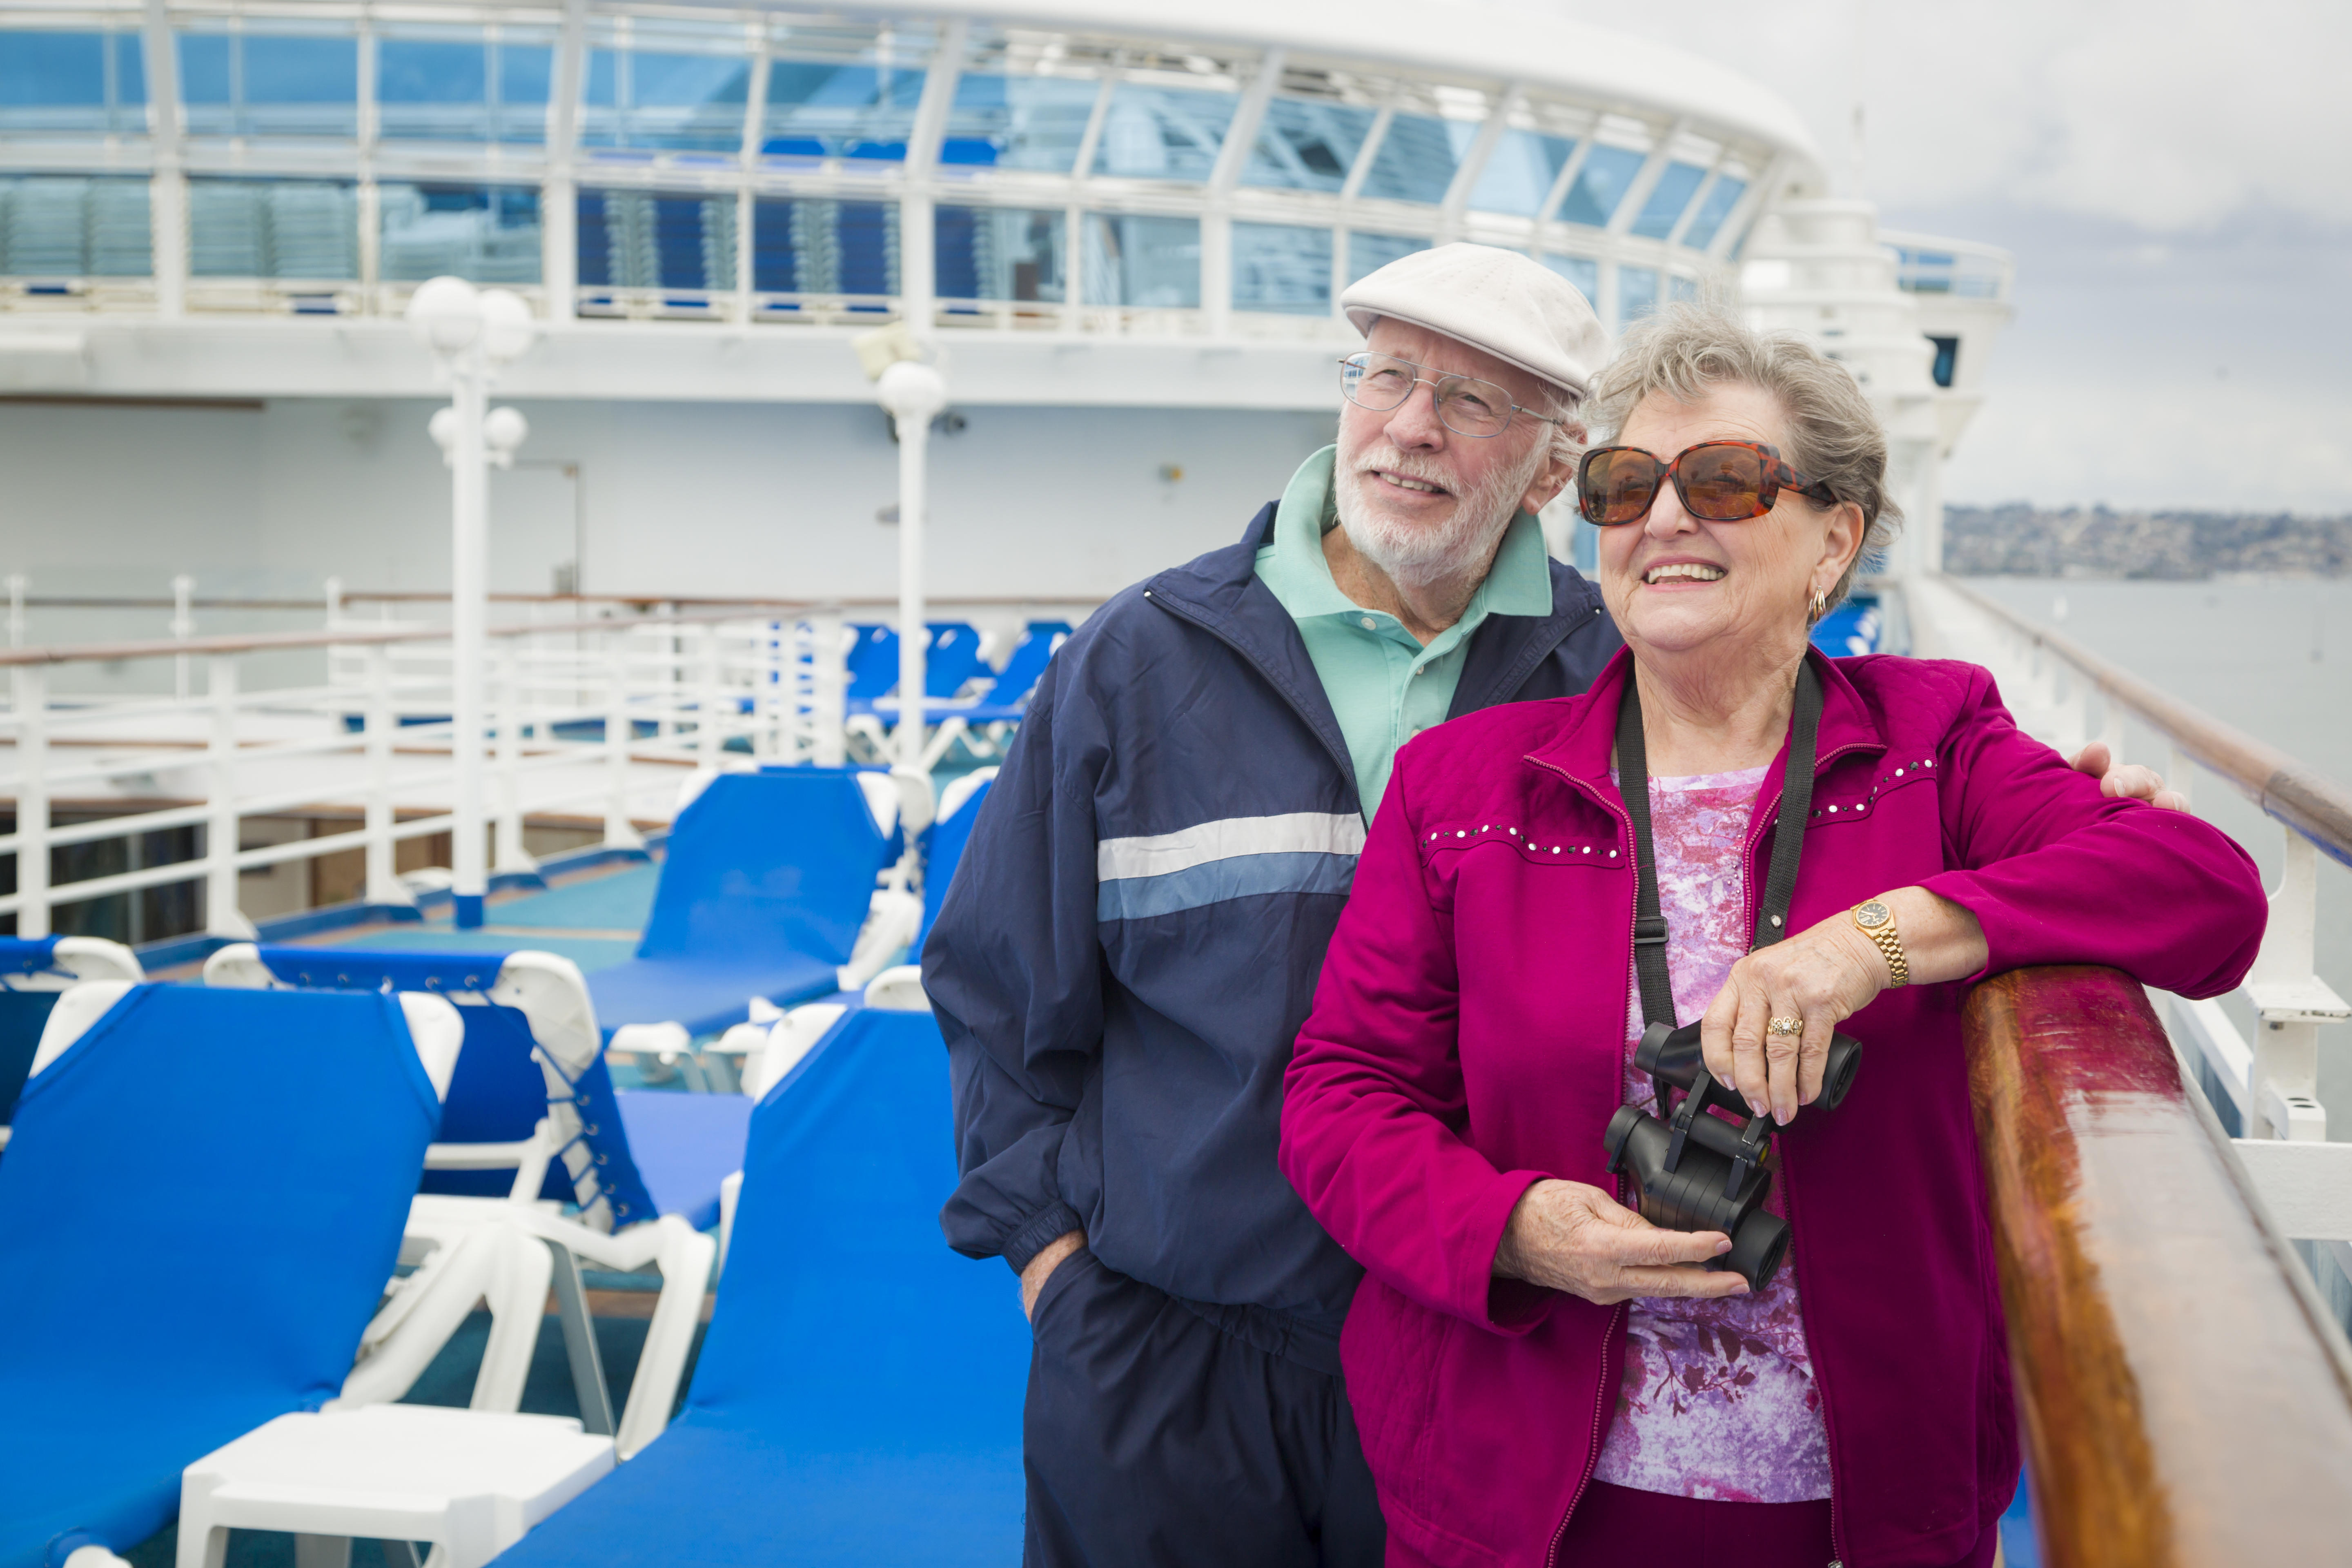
[(1718, 1399)]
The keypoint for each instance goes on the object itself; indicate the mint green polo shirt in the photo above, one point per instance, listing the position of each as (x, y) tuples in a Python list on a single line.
[(1385, 687)]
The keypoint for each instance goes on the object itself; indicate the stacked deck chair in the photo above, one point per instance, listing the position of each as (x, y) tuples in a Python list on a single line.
[(768, 880), (960, 805), (983, 723), (859, 1396), (198, 1211), (34, 972), (531, 1125)]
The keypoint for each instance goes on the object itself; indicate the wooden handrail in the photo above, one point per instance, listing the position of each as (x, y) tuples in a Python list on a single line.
[(2186, 1399), (2299, 796)]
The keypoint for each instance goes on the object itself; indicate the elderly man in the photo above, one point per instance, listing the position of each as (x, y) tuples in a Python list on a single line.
[(1134, 937)]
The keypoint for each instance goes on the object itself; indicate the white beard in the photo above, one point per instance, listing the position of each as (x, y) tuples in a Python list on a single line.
[(1420, 556)]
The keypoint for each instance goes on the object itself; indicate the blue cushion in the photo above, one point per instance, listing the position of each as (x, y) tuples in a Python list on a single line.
[(857, 1400), (200, 1207), (943, 854), (705, 995), (684, 1145)]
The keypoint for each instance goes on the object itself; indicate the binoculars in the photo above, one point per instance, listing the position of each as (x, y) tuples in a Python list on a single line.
[(1698, 1171)]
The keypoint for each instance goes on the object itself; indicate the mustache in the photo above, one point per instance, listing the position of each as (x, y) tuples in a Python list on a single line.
[(1396, 462)]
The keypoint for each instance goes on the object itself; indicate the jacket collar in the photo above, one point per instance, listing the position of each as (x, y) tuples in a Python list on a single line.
[(1581, 749), (1222, 592)]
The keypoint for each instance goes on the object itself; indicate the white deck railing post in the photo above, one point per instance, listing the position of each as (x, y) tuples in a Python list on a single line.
[(511, 854), (829, 673), (619, 831), (31, 696), (709, 731), (184, 624), (383, 884), (2292, 1002), (222, 917)]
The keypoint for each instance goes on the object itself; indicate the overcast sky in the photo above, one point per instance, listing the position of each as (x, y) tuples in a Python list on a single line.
[(2175, 179)]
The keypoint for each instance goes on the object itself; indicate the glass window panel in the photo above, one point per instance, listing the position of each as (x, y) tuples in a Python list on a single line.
[(1148, 263), (1680, 288), (1018, 121), (996, 253), (484, 234), (1581, 270), (646, 239), (1600, 186), (1306, 146), (306, 229), (1163, 132), (89, 82), (52, 226), (1282, 268), (462, 89), (1521, 173), (270, 84), (1721, 197), (1667, 199), (819, 109), (1637, 294), (826, 247), (1417, 158), (1368, 253), (673, 102)]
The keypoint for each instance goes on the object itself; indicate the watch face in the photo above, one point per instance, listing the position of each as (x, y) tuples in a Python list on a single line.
[(1873, 914)]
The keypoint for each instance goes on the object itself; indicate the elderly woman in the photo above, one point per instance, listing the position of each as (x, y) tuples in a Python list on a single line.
[(1540, 1376)]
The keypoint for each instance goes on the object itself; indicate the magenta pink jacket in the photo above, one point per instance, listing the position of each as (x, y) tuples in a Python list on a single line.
[(1468, 1038)]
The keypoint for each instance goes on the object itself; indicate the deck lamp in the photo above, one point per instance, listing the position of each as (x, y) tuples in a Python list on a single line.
[(1699, 1171), (912, 392)]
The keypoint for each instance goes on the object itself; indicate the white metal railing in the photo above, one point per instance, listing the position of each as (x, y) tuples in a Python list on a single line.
[(2268, 1084), (599, 718)]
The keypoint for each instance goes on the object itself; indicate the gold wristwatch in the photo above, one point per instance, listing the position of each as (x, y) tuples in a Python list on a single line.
[(1877, 924)]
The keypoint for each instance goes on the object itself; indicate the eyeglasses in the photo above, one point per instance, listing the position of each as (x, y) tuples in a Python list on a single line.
[(1719, 481), (1465, 405)]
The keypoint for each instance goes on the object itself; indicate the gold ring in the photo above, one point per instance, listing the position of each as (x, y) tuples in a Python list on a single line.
[(1787, 1026)]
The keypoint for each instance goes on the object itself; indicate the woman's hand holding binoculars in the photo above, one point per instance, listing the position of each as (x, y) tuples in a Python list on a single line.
[(1823, 975), (1566, 1236)]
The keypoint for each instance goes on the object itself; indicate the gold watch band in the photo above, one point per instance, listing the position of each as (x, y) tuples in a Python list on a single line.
[(1877, 924)]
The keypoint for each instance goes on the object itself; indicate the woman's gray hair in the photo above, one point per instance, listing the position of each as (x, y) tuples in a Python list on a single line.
[(1687, 349)]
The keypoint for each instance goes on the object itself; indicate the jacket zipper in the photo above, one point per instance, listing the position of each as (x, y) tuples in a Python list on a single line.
[(1592, 1446)]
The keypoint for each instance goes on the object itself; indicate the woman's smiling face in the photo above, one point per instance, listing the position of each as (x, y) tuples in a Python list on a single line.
[(1676, 583)]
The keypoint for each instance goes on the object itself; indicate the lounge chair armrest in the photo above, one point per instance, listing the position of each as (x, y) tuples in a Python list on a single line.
[(896, 915), (665, 1042)]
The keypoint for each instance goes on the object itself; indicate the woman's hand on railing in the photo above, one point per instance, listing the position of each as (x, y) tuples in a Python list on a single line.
[(2127, 781), (1565, 1236), (1824, 976)]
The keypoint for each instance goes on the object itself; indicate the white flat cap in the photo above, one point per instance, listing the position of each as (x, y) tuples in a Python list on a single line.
[(1516, 309)]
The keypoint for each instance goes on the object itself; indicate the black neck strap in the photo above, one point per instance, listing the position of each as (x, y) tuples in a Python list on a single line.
[(1780, 880)]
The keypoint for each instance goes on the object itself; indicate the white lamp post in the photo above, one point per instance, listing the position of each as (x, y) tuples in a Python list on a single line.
[(914, 394), (471, 331)]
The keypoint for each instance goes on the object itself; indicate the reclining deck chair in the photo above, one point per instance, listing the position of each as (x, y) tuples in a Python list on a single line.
[(532, 1121), (768, 879), (152, 1313), (985, 722), (34, 972), (859, 1396)]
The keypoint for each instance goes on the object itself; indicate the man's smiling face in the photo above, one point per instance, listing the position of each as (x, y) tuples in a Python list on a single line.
[(1425, 503)]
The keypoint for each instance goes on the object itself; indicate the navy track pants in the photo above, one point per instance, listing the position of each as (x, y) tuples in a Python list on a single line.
[(1161, 1434)]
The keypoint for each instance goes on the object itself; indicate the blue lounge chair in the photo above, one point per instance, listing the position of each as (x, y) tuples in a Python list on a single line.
[(289, 1181), (859, 1396), (944, 846), (1004, 701), (34, 972), (768, 880), (532, 1113)]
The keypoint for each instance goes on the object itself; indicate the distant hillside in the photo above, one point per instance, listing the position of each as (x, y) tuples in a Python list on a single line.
[(2021, 541)]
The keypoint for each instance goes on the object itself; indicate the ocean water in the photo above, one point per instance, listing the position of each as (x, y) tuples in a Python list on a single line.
[(2269, 655)]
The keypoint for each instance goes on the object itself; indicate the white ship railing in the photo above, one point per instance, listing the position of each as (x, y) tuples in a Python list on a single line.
[(2267, 1085), (594, 718)]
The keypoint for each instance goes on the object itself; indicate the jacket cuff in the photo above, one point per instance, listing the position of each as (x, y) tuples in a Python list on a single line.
[(1506, 1306), (1054, 1220)]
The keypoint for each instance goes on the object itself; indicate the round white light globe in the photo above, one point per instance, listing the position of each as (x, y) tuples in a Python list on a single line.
[(504, 430), (445, 314), (506, 325), (911, 390), (443, 426)]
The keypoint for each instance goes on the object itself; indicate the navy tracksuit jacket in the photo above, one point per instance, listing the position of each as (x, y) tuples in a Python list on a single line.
[(1133, 936)]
